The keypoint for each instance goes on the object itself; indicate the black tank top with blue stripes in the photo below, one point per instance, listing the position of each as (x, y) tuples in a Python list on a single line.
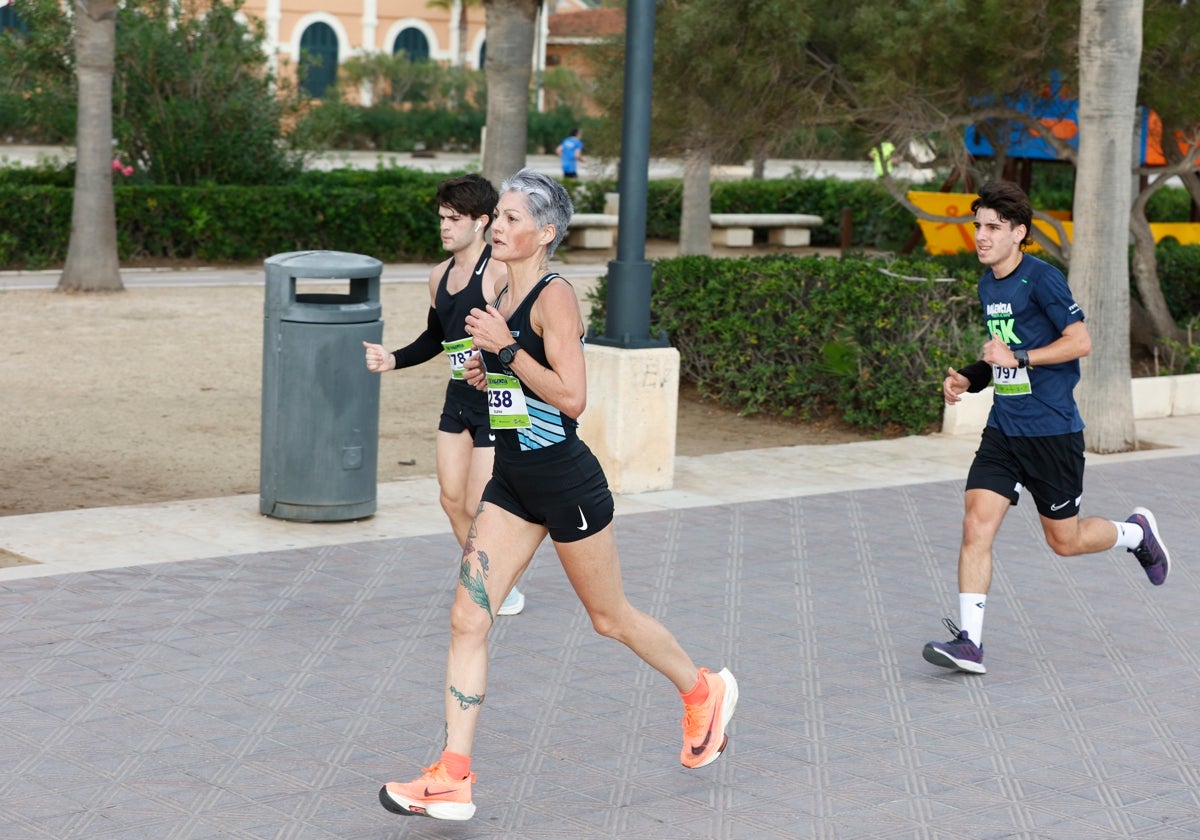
[(549, 425)]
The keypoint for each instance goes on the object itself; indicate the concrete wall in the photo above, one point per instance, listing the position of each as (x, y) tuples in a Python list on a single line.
[(1155, 396)]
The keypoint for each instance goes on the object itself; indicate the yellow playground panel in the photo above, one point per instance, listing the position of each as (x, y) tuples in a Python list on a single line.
[(951, 237)]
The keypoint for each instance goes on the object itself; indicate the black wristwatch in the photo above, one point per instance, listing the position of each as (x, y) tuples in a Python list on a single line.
[(507, 354), (1022, 358)]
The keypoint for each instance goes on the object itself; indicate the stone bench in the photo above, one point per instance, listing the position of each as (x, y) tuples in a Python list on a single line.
[(736, 230), (591, 230)]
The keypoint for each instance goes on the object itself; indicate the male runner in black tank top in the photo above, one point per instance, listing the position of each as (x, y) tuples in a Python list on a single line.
[(466, 207)]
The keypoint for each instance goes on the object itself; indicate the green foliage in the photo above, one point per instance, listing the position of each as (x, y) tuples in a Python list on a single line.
[(44, 174), (387, 214), (1179, 277), (816, 337), (735, 78), (1169, 64), (387, 128), (37, 85), (1170, 204), (36, 233), (195, 102), (876, 220), (1179, 357), (546, 130)]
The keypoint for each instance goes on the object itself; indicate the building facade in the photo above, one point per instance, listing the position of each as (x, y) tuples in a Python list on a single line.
[(318, 35)]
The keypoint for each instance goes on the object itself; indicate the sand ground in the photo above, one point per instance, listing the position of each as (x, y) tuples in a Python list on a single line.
[(154, 394)]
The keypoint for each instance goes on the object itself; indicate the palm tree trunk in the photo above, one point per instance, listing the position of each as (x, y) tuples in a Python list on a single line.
[(92, 263), (695, 227), (1110, 48), (460, 7), (510, 33)]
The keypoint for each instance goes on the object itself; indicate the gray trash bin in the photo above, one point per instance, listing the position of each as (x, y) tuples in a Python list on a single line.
[(320, 404)]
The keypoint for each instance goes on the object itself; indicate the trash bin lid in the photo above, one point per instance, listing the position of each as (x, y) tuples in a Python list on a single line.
[(321, 264), (361, 303)]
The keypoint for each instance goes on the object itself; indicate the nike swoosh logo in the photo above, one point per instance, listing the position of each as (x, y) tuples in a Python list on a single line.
[(707, 735), (1060, 506), (482, 266), (582, 518), (429, 794)]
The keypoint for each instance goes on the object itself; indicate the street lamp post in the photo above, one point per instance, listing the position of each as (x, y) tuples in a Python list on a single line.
[(627, 323)]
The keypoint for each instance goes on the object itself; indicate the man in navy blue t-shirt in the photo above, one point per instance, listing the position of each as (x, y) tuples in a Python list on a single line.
[(1034, 435)]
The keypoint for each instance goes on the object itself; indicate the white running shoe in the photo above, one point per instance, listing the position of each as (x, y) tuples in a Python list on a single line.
[(513, 604)]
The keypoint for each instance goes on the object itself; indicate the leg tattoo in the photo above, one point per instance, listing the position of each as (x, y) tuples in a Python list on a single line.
[(464, 701), (474, 583)]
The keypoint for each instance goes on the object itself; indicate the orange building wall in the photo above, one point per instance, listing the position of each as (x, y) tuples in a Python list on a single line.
[(354, 37)]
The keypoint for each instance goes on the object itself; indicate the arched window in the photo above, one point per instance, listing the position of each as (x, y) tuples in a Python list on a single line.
[(482, 55), (318, 58), (412, 41), (9, 19)]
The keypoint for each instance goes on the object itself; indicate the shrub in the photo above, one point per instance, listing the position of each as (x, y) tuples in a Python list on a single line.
[(387, 215), (855, 338), (1179, 276), (194, 100), (877, 222), (38, 98)]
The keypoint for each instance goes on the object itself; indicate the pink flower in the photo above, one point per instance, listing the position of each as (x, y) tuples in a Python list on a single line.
[(117, 165), (127, 171)]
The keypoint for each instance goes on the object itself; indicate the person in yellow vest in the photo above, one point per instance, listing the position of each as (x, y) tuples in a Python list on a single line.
[(881, 156)]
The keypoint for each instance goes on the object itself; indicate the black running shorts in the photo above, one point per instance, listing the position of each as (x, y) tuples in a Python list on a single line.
[(1051, 468), (465, 410), (561, 487)]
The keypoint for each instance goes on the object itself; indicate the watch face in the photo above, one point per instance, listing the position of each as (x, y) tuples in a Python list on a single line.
[(507, 354)]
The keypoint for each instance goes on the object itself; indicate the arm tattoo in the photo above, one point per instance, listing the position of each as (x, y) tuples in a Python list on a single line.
[(464, 701)]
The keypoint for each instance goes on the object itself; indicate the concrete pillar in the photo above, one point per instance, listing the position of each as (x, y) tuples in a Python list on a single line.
[(630, 420)]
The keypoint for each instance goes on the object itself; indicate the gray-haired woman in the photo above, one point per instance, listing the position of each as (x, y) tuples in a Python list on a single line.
[(545, 481)]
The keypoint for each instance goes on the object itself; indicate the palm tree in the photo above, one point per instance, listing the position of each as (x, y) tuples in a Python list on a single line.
[(92, 263), (511, 28), (1110, 48)]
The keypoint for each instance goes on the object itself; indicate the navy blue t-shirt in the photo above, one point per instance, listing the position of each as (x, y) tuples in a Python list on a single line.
[(1030, 308)]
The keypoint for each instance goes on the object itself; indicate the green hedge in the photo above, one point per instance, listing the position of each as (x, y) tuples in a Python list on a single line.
[(816, 337), (386, 128), (877, 221), (233, 224), (387, 212), (383, 212), (1179, 276)]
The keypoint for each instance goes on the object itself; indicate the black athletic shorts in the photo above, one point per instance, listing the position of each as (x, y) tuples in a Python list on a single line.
[(1051, 468), (561, 487), (465, 410)]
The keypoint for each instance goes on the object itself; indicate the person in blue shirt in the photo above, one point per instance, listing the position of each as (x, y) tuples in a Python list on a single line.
[(1033, 440), (571, 152)]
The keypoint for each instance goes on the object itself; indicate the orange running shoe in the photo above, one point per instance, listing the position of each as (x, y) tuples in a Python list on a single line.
[(435, 795), (704, 737)]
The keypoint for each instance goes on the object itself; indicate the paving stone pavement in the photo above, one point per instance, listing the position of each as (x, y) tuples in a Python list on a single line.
[(268, 695)]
